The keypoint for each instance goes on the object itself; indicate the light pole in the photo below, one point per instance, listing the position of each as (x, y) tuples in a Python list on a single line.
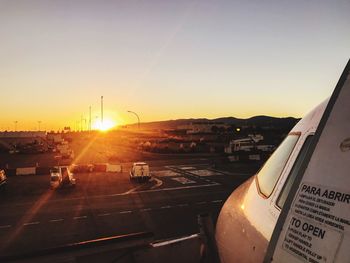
[(15, 125), (90, 118), (39, 123), (138, 118), (101, 111)]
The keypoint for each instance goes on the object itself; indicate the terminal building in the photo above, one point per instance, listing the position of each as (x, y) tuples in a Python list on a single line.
[(23, 134)]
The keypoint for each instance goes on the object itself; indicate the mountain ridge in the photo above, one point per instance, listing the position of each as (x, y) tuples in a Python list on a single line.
[(259, 120)]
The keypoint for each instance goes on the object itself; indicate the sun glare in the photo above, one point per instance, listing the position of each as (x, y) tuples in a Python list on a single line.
[(106, 125)]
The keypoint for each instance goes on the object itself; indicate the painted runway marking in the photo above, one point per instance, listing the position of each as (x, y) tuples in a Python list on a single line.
[(204, 173), (216, 201), (5, 226), (56, 220), (132, 191), (166, 173), (158, 183), (201, 203), (228, 173), (79, 217), (145, 209), (165, 207), (31, 223), (125, 212), (175, 188), (183, 180), (158, 190), (105, 214), (187, 168), (182, 205)]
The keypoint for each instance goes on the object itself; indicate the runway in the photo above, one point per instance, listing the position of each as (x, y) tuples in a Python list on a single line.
[(34, 217)]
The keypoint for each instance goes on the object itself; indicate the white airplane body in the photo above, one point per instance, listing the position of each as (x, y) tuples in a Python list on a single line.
[(297, 207)]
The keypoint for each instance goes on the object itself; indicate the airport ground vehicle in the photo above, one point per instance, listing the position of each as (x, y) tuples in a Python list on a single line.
[(296, 208), (3, 178), (140, 171), (61, 176)]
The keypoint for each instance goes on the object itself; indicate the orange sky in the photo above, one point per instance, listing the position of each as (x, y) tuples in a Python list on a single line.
[(167, 59)]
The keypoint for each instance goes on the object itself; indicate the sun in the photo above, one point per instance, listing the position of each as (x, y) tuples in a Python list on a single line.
[(106, 125)]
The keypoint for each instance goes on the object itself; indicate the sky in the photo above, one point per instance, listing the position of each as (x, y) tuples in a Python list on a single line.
[(167, 59)]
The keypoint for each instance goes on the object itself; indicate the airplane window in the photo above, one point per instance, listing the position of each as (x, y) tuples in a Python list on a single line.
[(269, 174), (287, 186)]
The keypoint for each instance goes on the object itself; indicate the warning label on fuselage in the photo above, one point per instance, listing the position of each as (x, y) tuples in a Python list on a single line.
[(320, 217), (310, 241), (327, 206)]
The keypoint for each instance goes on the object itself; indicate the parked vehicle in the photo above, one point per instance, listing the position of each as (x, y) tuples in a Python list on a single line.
[(61, 176), (3, 178), (140, 171)]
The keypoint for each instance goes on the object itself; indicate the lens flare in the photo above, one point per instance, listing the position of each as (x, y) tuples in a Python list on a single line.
[(106, 125)]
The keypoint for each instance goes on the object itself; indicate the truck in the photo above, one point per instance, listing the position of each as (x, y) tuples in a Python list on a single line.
[(140, 172), (61, 176)]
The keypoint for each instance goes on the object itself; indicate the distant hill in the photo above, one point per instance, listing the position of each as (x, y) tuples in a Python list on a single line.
[(258, 121)]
